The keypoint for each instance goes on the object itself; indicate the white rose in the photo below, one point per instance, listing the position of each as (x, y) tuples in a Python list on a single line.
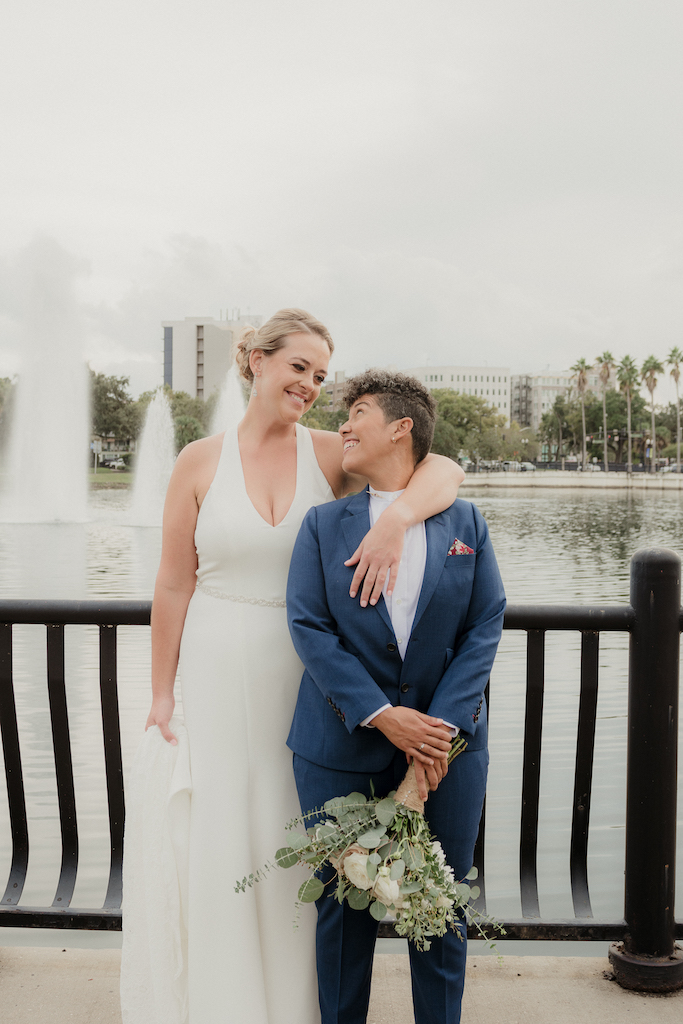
[(386, 890), (355, 869)]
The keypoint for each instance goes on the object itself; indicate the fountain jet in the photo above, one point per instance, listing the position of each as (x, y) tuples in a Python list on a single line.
[(154, 463), (230, 406), (46, 459)]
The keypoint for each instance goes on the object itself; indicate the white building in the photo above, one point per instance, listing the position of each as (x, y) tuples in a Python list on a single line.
[(197, 351), (534, 394), (492, 383)]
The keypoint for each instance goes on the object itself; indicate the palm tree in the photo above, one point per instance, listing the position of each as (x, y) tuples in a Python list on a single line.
[(674, 359), (606, 364), (629, 378), (580, 370), (649, 369)]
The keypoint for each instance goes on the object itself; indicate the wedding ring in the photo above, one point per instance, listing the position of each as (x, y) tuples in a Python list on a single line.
[(421, 746)]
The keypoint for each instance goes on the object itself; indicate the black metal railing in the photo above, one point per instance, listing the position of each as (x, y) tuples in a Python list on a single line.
[(56, 615), (654, 621)]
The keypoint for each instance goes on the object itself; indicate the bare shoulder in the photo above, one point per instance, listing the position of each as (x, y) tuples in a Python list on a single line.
[(196, 465), (328, 448)]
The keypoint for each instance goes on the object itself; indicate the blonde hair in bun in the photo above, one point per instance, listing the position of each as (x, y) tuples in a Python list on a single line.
[(272, 335)]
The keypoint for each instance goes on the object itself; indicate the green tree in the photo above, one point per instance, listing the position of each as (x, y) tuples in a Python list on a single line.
[(113, 409), (191, 416), (446, 441), (321, 417), (649, 370), (674, 359), (187, 429), (554, 425), (469, 418), (628, 378), (580, 370), (606, 362)]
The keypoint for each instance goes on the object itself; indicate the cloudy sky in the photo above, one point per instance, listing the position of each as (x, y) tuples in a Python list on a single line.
[(459, 181)]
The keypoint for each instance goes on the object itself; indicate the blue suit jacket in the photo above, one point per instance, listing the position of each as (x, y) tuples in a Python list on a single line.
[(350, 653)]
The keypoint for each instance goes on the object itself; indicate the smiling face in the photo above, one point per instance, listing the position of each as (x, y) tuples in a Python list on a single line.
[(378, 451), (288, 381)]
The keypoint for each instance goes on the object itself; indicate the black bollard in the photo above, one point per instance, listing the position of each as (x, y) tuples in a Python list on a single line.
[(648, 960)]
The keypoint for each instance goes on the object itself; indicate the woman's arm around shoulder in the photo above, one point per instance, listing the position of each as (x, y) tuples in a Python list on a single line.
[(432, 489)]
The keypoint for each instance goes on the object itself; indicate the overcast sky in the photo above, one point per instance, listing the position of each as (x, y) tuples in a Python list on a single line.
[(458, 182)]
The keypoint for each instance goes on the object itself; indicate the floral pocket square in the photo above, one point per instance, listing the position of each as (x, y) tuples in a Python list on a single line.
[(458, 548)]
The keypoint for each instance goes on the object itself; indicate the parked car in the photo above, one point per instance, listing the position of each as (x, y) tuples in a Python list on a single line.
[(527, 467), (592, 467), (115, 464), (671, 469), (510, 466)]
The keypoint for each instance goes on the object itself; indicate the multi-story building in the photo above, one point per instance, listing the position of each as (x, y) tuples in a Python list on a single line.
[(533, 394), (335, 389), (197, 351), (490, 382)]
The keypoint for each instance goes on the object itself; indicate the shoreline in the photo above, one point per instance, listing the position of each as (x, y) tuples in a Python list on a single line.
[(545, 478)]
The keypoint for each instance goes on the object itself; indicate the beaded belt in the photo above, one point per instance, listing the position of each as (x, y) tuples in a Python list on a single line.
[(263, 602)]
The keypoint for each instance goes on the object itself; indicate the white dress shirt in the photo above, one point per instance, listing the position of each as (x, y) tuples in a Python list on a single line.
[(402, 604)]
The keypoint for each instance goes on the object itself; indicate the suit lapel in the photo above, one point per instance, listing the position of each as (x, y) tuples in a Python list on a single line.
[(354, 527), (437, 549)]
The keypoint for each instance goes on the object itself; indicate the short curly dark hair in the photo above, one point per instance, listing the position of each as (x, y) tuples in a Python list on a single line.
[(398, 395)]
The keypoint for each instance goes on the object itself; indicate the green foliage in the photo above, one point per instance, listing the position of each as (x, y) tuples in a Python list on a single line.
[(321, 417), (187, 429), (408, 875), (113, 409), (466, 424)]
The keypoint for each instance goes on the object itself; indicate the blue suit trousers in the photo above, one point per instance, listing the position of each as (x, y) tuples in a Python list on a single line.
[(346, 938)]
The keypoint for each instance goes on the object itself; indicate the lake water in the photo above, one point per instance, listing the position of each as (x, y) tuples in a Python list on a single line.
[(551, 546)]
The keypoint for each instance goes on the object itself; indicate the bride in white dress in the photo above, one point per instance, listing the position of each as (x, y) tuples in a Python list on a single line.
[(209, 798)]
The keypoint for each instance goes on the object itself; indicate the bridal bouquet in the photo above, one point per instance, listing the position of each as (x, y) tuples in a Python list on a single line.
[(385, 860)]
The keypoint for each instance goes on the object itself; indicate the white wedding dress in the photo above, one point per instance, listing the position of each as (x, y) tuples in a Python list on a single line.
[(211, 810)]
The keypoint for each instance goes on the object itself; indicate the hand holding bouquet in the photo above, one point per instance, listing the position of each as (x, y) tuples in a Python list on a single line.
[(385, 859)]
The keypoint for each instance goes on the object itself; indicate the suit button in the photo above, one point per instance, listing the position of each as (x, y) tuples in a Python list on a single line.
[(391, 647), (405, 688)]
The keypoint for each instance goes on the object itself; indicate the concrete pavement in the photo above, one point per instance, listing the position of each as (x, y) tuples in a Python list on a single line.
[(39, 985)]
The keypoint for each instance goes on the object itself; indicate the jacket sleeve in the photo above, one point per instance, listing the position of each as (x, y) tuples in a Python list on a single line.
[(458, 697), (340, 676)]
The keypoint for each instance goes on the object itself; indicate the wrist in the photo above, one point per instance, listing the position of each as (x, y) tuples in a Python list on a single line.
[(401, 513)]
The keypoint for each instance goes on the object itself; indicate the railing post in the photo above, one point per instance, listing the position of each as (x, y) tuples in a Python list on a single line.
[(649, 960)]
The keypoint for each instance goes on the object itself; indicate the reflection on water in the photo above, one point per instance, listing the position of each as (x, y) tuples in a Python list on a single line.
[(551, 547)]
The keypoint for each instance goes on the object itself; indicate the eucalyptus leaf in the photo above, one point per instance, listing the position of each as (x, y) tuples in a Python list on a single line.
[(413, 858), (388, 850), (285, 857), (375, 858), (325, 831), (371, 870), (409, 887), (297, 841), (335, 807), (311, 890), (378, 910), (397, 870), (386, 811), (358, 898), (475, 892), (372, 838), (354, 799), (472, 874)]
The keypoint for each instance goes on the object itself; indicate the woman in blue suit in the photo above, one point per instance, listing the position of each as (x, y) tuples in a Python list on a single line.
[(395, 682)]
